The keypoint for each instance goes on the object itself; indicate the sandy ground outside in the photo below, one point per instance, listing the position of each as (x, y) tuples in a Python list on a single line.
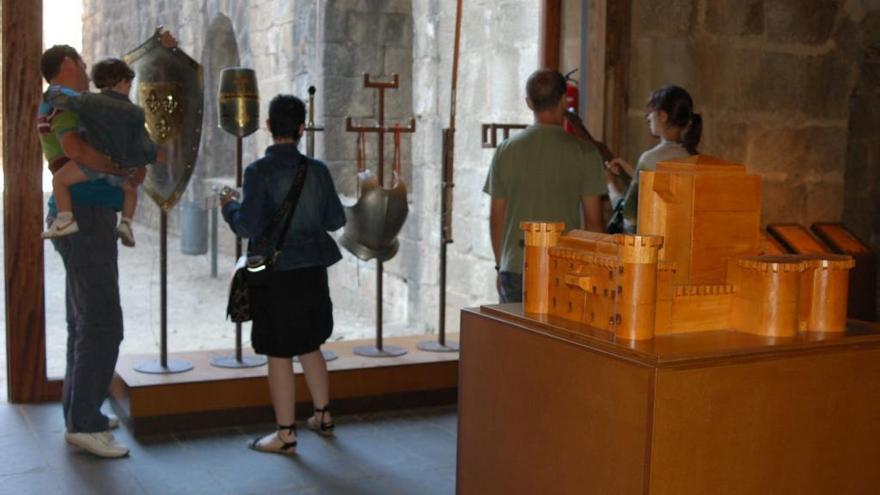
[(196, 302)]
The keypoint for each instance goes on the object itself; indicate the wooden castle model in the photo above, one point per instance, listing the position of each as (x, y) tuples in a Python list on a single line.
[(698, 263)]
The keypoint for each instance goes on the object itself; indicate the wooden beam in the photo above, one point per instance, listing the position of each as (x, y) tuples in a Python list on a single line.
[(550, 34), (617, 61), (22, 201), (595, 60)]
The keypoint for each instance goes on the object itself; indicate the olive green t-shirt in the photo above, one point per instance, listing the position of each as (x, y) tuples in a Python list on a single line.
[(543, 173)]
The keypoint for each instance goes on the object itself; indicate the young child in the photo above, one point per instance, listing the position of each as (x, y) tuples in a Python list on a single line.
[(113, 125)]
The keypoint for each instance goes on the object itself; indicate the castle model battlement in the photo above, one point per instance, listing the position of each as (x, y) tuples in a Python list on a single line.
[(695, 265)]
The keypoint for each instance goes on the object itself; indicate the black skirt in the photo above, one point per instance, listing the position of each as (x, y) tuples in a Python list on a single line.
[(292, 314)]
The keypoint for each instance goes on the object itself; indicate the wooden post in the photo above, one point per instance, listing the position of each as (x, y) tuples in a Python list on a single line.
[(22, 203), (617, 61), (550, 34)]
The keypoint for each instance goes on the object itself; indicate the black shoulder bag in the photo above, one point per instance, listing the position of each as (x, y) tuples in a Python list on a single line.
[(253, 271)]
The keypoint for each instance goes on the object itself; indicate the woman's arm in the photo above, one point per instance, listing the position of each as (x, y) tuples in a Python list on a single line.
[(334, 213), (618, 165), (246, 219)]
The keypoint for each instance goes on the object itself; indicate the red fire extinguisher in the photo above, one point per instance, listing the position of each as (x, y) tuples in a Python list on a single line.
[(572, 99)]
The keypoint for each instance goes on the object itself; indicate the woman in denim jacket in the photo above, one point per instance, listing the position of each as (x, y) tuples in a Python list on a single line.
[(293, 314)]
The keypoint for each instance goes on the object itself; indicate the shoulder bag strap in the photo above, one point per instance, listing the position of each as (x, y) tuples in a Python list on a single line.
[(285, 210)]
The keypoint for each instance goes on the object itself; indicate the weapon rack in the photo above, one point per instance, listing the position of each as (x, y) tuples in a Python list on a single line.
[(380, 129)]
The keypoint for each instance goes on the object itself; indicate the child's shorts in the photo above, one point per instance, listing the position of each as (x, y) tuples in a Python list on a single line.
[(113, 180)]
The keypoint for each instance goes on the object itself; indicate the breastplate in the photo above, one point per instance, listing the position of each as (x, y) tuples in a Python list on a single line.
[(373, 223)]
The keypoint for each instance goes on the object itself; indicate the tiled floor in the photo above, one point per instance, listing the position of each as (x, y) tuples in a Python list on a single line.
[(407, 452)]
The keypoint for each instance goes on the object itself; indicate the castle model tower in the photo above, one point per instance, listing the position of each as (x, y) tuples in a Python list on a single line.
[(694, 266)]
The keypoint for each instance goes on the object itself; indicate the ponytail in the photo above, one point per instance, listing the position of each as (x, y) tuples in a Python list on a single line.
[(692, 134), (679, 107)]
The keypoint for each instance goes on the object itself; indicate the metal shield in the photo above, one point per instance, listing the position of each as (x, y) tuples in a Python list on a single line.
[(239, 101), (169, 86)]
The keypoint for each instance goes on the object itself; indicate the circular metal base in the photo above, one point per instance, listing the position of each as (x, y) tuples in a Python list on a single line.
[(434, 346), (156, 368), (231, 362), (328, 356), (386, 351)]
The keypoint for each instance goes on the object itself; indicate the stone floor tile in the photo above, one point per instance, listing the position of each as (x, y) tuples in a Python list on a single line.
[(403, 452), (377, 454), (425, 482), (12, 419), (436, 446), (100, 477), (44, 417), (364, 486), (41, 482), (19, 454)]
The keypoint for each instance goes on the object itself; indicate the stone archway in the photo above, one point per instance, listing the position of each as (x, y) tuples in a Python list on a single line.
[(218, 147)]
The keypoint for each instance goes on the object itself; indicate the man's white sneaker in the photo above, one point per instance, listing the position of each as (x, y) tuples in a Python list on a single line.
[(125, 234), (101, 444), (60, 228)]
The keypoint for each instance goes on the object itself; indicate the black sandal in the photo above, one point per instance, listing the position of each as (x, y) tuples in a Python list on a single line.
[(319, 426), (287, 448)]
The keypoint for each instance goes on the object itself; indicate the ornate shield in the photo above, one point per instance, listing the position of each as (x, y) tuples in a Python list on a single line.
[(170, 88), (162, 108)]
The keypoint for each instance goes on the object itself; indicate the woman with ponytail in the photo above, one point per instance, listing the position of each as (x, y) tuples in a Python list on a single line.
[(671, 118)]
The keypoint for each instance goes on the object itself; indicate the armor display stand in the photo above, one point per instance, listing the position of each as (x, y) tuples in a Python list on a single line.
[(311, 129), (239, 115), (446, 185), (379, 349), (163, 365), (169, 88)]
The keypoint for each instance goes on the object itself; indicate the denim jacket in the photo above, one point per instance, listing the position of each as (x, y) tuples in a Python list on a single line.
[(266, 183)]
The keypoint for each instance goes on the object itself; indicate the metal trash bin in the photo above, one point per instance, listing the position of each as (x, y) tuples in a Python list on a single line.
[(193, 228)]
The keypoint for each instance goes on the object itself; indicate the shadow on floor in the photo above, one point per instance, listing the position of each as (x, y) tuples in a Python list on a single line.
[(402, 452)]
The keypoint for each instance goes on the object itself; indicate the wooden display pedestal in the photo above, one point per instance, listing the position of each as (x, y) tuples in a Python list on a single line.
[(553, 406), (209, 396)]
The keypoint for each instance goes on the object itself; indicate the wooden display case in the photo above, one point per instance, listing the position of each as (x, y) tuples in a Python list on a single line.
[(547, 405)]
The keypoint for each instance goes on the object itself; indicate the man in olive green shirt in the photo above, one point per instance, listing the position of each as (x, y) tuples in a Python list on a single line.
[(540, 174)]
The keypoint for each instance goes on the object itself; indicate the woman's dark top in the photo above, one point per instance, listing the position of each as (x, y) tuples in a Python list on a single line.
[(266, 184)]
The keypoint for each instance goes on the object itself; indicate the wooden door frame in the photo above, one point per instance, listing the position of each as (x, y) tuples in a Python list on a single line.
[(550, 34), (22, 39), (613, 45)]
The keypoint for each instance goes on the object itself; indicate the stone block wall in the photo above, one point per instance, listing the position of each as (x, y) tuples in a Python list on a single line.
[(772, 79), (862, 201), (217, 33), (786, 87), (374, 37), (291, 44), (498, 52)]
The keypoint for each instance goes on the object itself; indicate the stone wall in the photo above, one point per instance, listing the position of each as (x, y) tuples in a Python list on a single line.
[(216, 33), (772, 79), (291, 44), (498, 52), (862, 202), (374, 37)]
